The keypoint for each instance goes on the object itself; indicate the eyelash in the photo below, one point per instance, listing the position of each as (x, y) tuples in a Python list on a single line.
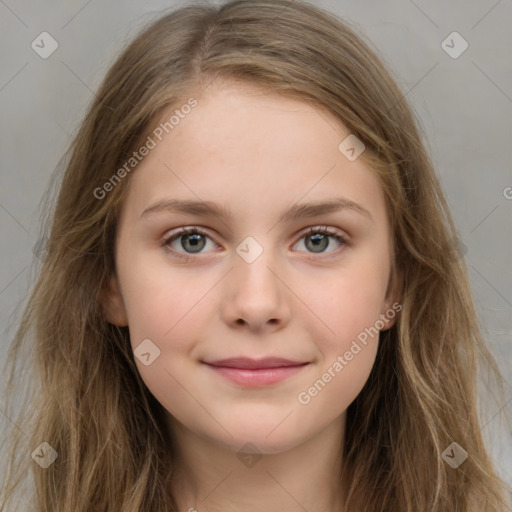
[(322, 230)]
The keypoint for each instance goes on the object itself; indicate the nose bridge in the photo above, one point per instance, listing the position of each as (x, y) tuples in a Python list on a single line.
[(256, 291), (254, 262)]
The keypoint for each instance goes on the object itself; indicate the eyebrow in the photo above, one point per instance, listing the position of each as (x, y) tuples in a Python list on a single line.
[(304, 210)]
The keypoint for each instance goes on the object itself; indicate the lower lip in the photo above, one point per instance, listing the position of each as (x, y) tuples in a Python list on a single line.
[(257, 377)]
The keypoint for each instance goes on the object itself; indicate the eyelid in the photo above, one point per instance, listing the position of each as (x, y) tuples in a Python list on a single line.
[(331, 232)]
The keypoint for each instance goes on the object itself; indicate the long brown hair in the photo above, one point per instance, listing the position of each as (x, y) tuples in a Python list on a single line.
[(88, 401)]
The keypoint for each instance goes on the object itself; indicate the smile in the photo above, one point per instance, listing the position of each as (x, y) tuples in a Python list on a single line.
[(257, 377)]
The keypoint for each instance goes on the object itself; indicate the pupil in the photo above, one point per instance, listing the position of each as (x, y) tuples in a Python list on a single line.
[(195, 240), (318, 239)]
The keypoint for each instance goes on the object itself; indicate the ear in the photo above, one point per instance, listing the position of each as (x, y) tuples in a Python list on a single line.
[(113, 305), (392, 304)]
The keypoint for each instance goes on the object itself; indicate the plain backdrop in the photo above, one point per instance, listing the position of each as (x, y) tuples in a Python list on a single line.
[(463, 102)]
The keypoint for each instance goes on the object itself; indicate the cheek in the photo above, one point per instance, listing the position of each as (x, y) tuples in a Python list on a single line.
[(169, 310), (350, 305), (339, 381), (350, 301), (347, 350), (161, 300)]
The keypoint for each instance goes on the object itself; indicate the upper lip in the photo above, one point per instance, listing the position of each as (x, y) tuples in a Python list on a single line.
[(247, 363)]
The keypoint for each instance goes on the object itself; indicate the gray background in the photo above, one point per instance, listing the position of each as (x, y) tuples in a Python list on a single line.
[(464, 106)]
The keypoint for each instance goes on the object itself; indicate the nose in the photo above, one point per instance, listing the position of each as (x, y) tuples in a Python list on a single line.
[(256, 296)]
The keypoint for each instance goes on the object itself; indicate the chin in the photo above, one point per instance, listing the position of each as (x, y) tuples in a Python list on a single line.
[(271, 438)]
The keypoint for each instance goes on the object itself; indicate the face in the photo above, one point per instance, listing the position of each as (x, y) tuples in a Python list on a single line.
[(252, 282)]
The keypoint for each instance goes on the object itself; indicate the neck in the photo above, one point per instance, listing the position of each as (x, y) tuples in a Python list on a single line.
[(216, 478)]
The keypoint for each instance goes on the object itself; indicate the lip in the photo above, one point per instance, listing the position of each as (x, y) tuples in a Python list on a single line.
[(247, 363), (256, 373)]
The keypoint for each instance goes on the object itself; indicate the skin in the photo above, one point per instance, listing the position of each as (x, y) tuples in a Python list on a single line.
[(255, 153)]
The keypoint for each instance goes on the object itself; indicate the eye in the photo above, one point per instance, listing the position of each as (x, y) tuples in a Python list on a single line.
[(192, 240), (319, 239)]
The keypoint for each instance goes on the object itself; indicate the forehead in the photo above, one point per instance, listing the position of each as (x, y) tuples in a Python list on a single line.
[(250, 149)]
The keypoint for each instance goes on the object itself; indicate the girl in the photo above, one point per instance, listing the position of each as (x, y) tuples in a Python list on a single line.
[(250, 298)]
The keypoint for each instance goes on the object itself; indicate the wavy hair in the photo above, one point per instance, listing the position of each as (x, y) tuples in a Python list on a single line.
[(87, 400)]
